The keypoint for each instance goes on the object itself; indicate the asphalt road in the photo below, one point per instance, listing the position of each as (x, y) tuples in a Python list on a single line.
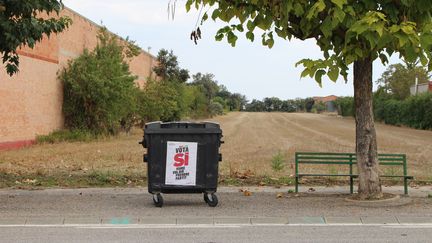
[(219, 234), (128, 215)]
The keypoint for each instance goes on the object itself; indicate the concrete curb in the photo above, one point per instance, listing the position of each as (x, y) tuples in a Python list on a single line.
[(422, 191), (216, 221)]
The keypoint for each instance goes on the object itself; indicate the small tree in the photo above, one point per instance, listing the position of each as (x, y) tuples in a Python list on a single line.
[(168, 68), (348, 32), (99, 90), (20, 25), (207, 84), (398, 79)]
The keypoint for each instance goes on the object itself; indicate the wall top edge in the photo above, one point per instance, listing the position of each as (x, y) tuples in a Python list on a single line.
[(99, 26)]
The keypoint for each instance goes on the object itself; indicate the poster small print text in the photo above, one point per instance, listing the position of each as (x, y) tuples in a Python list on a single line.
[(181, 163)]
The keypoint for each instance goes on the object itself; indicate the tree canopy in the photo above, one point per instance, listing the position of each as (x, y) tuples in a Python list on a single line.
[(398, 79), (168, 68), (345, 30), (21, 25)]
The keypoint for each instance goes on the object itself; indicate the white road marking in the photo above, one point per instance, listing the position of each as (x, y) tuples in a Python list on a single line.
[(149, 226)]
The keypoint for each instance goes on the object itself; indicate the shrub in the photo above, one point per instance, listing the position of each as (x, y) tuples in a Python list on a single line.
[(159, 101), (196, 102), (215, 109), (99, 90), (418, 111), (345, 106), (319, 107), (415, 112), (391, 112)]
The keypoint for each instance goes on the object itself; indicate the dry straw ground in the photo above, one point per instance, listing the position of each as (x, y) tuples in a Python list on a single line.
[(251, 140)]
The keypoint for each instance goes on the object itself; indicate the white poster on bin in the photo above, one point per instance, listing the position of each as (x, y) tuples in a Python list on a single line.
[(181, 163)]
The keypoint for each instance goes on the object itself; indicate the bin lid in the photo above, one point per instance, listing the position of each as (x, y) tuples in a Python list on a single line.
[(181, 127)]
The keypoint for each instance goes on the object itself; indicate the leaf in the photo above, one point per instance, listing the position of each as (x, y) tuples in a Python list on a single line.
[(339, 15), (426, 40), (247, 193), (298, 9), (219, 37), (232, 38), (250, 35), (318, 76), (204, 17), (279, 195), (305, 73), (270, 42), (383, 58), (188, 5), (250, 25), (240, 28), (326, 27), (423, 59), (333, 73), (215, 14), (317, 8), (280, 33), (339, 3)]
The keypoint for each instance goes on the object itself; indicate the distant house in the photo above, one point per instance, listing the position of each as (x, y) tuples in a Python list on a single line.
[(329, 102), (421, 88)]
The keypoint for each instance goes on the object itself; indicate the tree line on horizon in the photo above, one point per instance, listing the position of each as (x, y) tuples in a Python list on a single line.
[(275, 104)]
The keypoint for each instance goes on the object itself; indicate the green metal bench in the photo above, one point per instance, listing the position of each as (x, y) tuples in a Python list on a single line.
[(348, 159)]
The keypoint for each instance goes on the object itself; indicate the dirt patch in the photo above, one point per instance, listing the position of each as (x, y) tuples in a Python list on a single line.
[(385, 197)]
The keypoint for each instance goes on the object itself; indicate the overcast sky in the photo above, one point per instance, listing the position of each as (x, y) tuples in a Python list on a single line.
[(249, 68)]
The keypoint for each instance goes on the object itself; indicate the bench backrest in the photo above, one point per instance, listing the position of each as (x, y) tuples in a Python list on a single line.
[(346, 159)]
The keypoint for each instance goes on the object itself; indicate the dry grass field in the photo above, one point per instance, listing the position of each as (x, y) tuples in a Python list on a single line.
[(253, 138), (251, 141)]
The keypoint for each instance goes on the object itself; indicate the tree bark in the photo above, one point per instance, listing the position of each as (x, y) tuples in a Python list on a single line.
[(366, 144)]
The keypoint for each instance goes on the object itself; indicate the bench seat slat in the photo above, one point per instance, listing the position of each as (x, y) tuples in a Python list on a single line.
[(398, 176), (355, 176), (325, 162), (324, 157), (318, 153), (300, 175)]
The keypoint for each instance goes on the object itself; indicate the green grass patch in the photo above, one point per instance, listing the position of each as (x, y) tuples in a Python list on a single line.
[(278, 161), (66, 136)]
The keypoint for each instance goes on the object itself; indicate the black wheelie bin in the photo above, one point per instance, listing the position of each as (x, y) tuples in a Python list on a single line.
[(182, 157)]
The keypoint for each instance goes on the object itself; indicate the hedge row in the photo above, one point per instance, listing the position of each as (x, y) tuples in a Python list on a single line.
[(415, 112)]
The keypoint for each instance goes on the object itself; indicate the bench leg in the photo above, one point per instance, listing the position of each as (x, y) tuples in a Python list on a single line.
[(296, 184), (406, 186), (351, 185)]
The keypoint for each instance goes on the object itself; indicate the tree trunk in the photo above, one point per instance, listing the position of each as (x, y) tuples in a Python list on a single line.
[(366, 145)]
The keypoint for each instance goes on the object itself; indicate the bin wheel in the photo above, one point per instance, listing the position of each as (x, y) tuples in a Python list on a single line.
[(211, 199), (158, 200)]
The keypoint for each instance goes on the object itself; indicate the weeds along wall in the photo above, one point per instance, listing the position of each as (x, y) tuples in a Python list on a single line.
[(31, 101)]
